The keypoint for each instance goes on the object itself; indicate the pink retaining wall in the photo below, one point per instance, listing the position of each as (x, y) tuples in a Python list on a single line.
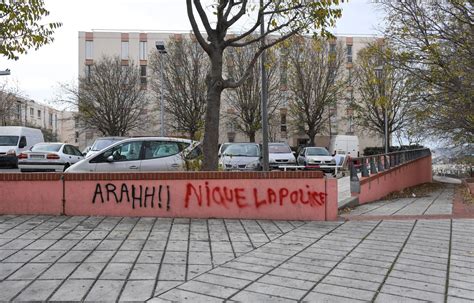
[(31, 194), (409, 174), (274, 195)]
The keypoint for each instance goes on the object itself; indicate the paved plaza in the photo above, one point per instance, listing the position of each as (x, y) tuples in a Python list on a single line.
[(158, 259)]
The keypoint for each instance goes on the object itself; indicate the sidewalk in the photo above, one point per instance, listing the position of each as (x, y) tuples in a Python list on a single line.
[(404, 250)]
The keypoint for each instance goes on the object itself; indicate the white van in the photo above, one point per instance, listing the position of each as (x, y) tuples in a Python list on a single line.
[(344, 144), (14, 140)]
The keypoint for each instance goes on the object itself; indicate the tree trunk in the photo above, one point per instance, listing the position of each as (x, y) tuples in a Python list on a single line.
[(251, 136), (211, 127), (311, 136)]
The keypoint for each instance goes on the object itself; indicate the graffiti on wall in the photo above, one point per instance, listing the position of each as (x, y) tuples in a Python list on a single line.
[(208, 195), (137, 195)]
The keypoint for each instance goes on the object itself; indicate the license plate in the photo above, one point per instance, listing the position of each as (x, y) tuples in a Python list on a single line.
[(36, 157)]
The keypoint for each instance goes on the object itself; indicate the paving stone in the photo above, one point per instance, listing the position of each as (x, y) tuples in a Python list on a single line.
[(41, 244), (63, 244), (195, 270), (177, 246), (175, 257), (222, 280), (383, 297), (199, 257), (208, 289), (248, 267), (221, 258), (461, 284), (377, 278), (86, 245), (178, 295), (22, 256), (342, 291), (236, 273), (296, 274), (354, 283), (125, 256), (116, 271), (172, 272), (326, 298), (461, 293), (72, 290), (74, 256), (58, 271), (457, 300), (17, 244), (150, 257), (49, 256), (415, 284), (154, 245), (39, 290), (280, 291), (412, 293), (109, 245), (247, 296), (305, 267), (29, 271), (163, 286), (100, 256), (109, 289), (418, 277), (9, 289), (144, 271), (8, 268), (138, 290), (88, 271)]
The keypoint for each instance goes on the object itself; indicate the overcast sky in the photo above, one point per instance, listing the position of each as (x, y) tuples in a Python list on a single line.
[(39, 72)]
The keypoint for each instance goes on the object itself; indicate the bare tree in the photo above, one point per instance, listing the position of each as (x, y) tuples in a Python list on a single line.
[(283, 18), (184, 75), (315, 82), (245, 100), (382, 89), (433, 41), (110, 98), (8, 101)]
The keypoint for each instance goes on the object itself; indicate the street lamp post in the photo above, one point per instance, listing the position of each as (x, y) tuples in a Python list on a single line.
[(379, 75), (264, 100), (160, 46)]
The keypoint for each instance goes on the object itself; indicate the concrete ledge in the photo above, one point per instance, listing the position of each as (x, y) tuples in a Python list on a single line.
[(349, 202)]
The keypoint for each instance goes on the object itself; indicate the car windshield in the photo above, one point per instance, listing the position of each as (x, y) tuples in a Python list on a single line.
[(317, 151), (242, 150), (8, 140), (46, 147), (279, 149), (100, 144)]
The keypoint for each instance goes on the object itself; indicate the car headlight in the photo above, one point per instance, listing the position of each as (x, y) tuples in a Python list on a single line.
[(333, 161), (11, 152), (252, 165)]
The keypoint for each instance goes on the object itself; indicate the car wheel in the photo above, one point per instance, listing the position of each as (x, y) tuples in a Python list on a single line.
[(66, 166)]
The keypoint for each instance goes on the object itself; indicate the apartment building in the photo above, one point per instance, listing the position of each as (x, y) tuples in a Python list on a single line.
[(59, 124), (138, 46)]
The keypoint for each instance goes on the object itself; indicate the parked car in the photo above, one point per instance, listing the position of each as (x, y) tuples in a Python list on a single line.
[(14, 140), (241, 156), (141, 154), (44, 157), (314, 157), (280, 154), (101, 143)]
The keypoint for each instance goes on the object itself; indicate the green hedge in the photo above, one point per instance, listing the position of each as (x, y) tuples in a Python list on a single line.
[(369, 151)]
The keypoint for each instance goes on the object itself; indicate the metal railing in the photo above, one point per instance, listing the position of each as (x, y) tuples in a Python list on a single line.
[(371, 165)]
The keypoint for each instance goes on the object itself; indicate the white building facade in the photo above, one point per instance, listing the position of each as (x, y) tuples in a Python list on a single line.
[(137, 47)]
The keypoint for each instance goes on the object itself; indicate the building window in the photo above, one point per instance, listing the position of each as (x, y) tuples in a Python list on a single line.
[(349, 53), (332, 48), (143, 48), (88, 71), (51, 120), (124, 50), (18, 111), (283, 122), (39, 114), (143, 74), (32, 112), (89, 49)]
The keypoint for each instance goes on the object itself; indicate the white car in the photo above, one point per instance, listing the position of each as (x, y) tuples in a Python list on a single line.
[(241, 156), (101, 143), (44, 157), (280, 154), (316, 157), (142, 154)]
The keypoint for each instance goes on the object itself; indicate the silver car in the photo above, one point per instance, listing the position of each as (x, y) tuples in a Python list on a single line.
[(142, 154), (316, 157), (241, 156), (44, 157), (101, 143), (280, 154)]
